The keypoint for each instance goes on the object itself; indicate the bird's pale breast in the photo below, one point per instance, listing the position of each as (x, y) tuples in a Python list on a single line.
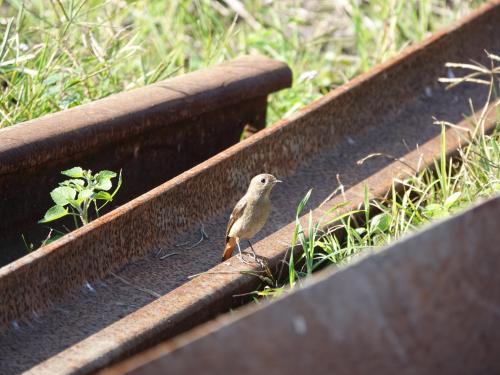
[(252, 220)]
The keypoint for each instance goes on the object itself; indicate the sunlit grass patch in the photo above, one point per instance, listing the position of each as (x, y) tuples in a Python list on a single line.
[(59, 54)]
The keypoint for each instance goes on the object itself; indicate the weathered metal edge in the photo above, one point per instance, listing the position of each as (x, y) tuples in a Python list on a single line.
[(427, 302), (121, 115)]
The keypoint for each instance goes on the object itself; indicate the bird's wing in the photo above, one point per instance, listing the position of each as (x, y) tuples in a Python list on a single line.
[(237, 212)]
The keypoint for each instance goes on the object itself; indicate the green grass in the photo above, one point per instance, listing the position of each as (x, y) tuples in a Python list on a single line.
[(448, 187), (57, 54)]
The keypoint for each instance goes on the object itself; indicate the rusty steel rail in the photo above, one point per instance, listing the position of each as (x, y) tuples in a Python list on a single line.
[(151, 133), (101, 293), (427, 304)]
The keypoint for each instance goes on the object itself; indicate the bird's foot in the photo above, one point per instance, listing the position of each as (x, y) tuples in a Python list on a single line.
[(242, 259), (252, 259), (253, 256)]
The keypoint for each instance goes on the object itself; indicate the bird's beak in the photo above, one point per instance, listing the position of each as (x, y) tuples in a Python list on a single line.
[(276, 181)]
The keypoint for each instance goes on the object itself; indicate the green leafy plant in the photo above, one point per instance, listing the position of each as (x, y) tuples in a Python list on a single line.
[(82, 196)]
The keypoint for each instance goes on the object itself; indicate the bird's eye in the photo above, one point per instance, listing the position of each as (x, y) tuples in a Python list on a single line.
[(263, 180)]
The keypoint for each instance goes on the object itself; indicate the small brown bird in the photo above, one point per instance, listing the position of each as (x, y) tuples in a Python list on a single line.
[(250, 213)]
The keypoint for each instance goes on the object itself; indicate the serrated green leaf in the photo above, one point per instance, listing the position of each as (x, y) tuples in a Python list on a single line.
[(85, 194), (54, 213), (74, 172), (62, 195), (103, 195), (74, 183), (103, 184), (103, 179), (105, 174), (77, 181)]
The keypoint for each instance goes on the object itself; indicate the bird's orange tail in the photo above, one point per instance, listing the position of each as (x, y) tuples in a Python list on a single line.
[(228, 250)]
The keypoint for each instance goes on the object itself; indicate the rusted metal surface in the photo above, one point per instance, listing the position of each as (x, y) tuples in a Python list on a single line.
[(388, 110), (428, 304), (152, 133)]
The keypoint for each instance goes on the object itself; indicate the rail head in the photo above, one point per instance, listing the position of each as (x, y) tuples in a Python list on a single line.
[(100, 122)]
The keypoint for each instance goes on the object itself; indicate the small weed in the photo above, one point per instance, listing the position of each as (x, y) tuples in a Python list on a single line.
[(83, 196)]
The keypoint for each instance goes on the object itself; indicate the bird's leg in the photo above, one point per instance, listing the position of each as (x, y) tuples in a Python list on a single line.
[(253, 251), (239, 248), (255, 258), (240, 255)]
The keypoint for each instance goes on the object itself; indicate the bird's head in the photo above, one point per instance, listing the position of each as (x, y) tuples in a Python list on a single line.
[(262, 184)]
